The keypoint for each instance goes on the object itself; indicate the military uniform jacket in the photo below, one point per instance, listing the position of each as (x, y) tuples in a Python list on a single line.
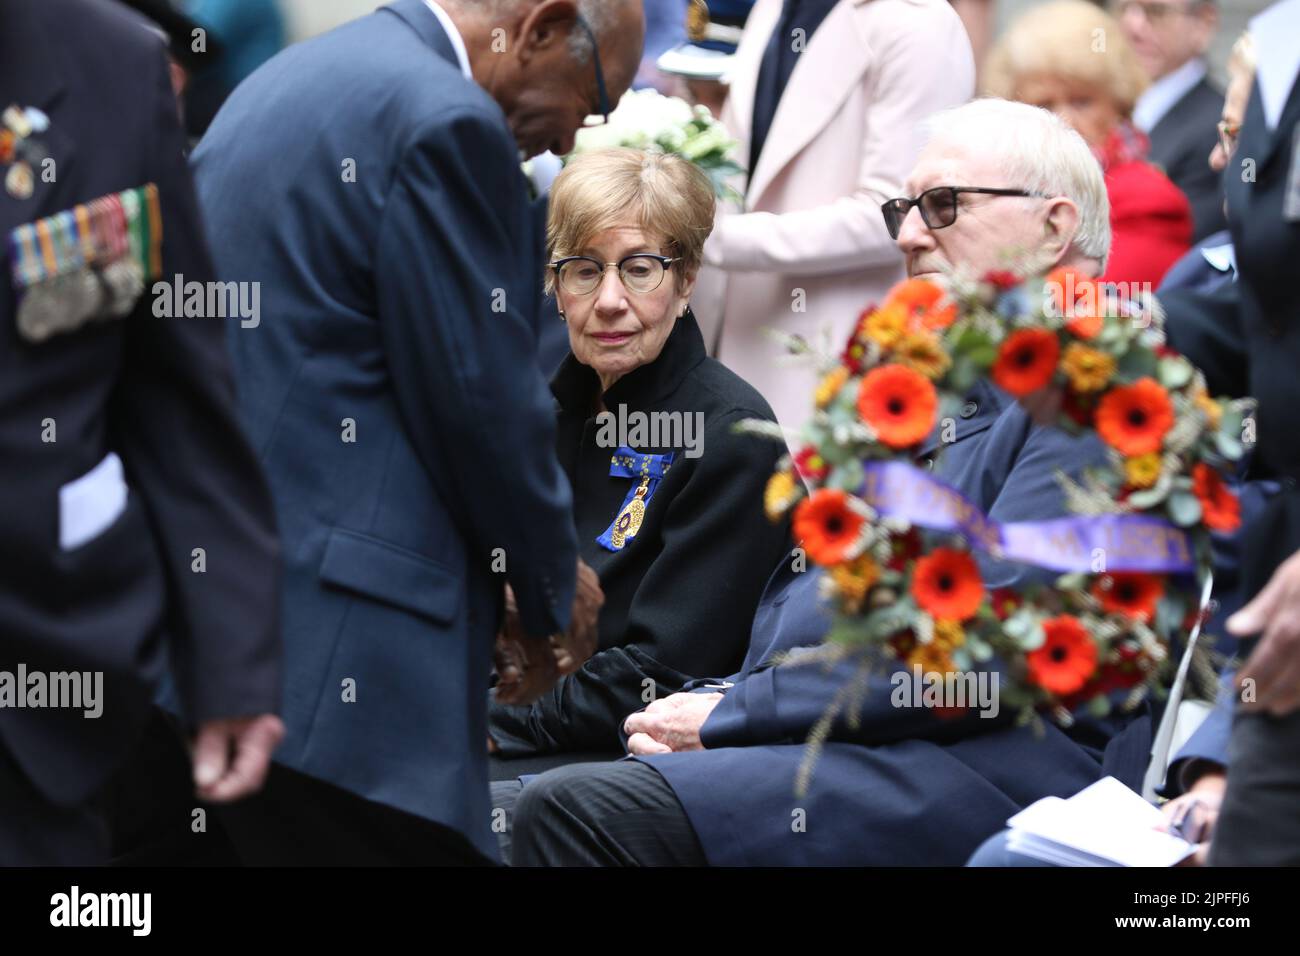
[(190, 549)]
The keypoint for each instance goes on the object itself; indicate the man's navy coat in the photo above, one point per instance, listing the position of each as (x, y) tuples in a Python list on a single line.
[(393, 394), (904, 786)]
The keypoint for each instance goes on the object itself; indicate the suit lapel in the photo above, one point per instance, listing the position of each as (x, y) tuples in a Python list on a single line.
[(831, 66)]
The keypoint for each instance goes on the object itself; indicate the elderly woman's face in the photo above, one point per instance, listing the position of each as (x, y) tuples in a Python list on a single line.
[(614, 330), (1091, 112)]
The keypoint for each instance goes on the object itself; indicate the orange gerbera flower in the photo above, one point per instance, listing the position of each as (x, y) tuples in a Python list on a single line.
[(899, 403), (946, 582), (826, 526), (1220, 509), (1027, 361), (1130, 593), (1134, 418), (1066, 658), (926, 303), (1075, 296)]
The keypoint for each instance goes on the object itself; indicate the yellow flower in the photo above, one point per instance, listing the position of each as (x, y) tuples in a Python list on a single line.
[(948, 635), (1141, 471), (830, 386), (1212, 409), (1088, 369), (779, 495), (854, 579), (922, 353), (886, 326), (931, 658)]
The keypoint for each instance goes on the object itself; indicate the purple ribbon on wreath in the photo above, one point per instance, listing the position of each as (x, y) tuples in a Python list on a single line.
[(1129, 542)]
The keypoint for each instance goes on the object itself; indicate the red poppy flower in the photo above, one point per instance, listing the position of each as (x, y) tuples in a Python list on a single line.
[(1002, 279), (1134, 419), (826, 526), (1005, 601), (810, 464), (1066, 658), (1220, 509), (903, 549), (946, 583), (899, 404), (1026, 361), (1131, 593)]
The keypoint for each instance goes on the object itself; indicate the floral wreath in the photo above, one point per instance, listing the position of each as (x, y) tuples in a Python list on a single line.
[(907, 589)]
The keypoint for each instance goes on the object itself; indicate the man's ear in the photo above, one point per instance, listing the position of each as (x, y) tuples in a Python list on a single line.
[(546, 27), (1060, 227)]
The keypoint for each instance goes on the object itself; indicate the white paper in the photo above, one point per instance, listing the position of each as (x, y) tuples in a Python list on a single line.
[(1105, 824), (91, 503)]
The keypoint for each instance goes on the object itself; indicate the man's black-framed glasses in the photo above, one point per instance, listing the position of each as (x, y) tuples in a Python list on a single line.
[(938, 206), (602, 107), (640, 272)]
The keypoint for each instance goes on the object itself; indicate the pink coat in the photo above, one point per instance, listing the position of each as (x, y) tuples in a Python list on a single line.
[(843, 139)]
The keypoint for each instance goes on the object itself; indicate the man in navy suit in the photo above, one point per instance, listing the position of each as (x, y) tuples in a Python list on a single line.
[(137, 525), (1180, 108), (369, 181), (714, 777)]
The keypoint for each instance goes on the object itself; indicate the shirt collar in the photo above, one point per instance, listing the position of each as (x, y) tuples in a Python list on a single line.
[(457, 41), (1161, 96), (1277, 56)]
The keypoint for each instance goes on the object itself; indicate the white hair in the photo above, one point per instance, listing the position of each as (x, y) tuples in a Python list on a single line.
[(1039, 153)]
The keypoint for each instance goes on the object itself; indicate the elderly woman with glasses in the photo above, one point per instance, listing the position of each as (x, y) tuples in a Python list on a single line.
[(1072, 58), (667, 495)]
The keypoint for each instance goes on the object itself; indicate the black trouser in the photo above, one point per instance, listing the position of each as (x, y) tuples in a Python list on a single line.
[(621, 813), (35, 832), (297, 820), (1259, 824)]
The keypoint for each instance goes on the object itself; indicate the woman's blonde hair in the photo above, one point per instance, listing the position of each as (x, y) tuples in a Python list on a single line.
[(661, 194), (1072, 39)]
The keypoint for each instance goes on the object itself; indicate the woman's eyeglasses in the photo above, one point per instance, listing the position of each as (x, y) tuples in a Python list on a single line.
[(938, 206), (639, 273)]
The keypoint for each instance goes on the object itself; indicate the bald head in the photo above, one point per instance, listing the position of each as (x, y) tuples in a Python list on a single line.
[(536, 59)]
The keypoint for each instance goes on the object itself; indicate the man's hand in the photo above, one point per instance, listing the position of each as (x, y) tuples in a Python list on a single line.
[(671, 724), (232, 756), (525, 665), (1194, 814), (578, 643), (1274, 665)]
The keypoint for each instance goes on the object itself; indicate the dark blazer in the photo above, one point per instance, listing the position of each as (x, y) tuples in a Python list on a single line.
[(680, 597), (1245, 335), (156, 391), (903, 786), (1181, 143), (403, 305)]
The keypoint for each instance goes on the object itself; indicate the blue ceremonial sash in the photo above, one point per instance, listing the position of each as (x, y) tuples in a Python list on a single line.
[(646, 470), (1129, 542)]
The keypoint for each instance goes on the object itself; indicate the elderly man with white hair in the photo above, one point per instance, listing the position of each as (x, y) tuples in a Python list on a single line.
[(713, 782)]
